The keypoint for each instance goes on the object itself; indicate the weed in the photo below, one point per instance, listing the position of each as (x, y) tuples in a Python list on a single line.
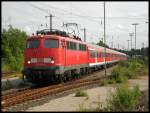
[(82, 107), (81, 94), (103, 82), (124, 99)]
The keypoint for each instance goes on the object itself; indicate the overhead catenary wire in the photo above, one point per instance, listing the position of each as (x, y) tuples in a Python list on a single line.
[(63, 11)]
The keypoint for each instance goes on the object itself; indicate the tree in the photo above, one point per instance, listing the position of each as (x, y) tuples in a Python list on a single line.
[(100, 43), (13, 45)]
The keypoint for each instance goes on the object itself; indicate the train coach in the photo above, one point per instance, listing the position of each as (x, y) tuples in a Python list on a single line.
[(55, 56)]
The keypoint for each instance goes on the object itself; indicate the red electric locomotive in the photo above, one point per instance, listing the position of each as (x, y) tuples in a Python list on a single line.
[(52, 56)]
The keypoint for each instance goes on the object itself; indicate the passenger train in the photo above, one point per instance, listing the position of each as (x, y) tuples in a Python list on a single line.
[(55, 56)]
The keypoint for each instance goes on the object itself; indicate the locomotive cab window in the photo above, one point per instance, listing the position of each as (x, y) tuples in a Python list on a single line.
[(33, 44), (51, 43)]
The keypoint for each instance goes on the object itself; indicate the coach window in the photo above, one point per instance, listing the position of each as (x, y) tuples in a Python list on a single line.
[(80, 47), (77, 45), (68, 45), (74, 46), (99, 54), (32, 43), (50, 43), (92, 53), (84, 47)]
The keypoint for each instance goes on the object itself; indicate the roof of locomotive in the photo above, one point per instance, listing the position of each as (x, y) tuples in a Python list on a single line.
[(53, 36)]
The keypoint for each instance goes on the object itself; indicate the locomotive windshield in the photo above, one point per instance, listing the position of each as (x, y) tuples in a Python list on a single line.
[(50, 43), (33, 44)]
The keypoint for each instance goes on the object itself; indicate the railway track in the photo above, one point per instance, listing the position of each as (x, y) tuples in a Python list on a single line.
[(94, 74), (10, 74), (11, 100), (22, 96), (7, 72)]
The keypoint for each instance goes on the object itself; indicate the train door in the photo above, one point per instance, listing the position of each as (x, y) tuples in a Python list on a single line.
[(63, 44)]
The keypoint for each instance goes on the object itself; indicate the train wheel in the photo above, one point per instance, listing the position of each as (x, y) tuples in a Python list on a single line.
[(65, 78), (61, 79)]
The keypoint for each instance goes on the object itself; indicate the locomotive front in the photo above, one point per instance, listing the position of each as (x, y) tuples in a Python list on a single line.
[(43, 60)]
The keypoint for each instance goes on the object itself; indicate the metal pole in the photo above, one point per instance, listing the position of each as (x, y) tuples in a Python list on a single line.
[(118, 41), (135, 35), (84, 35), (84, 29), (112, 42), (131, 34), (143, 49), (50, 21), (128, 44), (104, 40)]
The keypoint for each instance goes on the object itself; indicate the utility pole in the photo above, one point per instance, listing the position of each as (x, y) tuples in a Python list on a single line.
[(135, 24), (50, 19), (112, 42), (118, 42), (128, 44), (84, 29), (148, 30), (104, 40), (131, 34), (143, 49)]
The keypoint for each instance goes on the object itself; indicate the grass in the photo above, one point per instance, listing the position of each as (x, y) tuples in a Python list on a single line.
[(5, 67), (81, 94), (82, 107), (124, 99), (126, 70), (13, 75)]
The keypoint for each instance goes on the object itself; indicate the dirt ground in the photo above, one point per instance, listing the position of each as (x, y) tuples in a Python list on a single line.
[(95, 95)]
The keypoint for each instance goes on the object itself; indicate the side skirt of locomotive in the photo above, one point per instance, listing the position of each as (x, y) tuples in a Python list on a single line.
[(56, 74), (53, 73)]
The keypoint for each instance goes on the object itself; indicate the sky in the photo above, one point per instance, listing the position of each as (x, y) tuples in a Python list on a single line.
[(28, 16)]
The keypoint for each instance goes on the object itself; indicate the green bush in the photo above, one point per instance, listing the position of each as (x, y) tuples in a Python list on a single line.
[(81, 94), (111, 81), (127, 70), (124, 99), (118, 74), (103, 82), (123, 63), (13, 45)]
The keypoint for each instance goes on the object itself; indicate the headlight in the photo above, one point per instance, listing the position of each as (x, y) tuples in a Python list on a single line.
[(33, 60), (28, 62), (52, 61), (47, 60)]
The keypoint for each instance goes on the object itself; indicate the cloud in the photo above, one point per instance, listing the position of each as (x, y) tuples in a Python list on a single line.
[(27, 29), (120, 26)]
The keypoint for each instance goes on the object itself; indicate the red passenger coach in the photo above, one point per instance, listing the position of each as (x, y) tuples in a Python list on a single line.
[(55, 56)]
